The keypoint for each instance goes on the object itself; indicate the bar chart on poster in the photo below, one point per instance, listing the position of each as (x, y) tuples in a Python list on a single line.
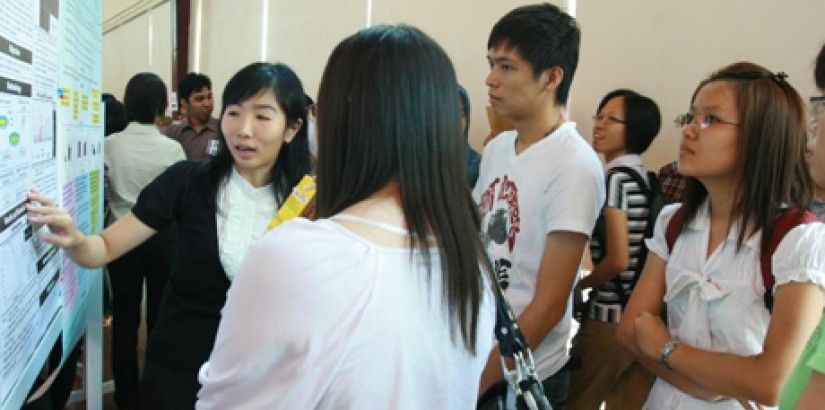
[(51, 139)]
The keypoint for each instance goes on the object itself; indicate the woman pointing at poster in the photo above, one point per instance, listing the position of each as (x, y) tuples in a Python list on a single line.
[(220, 207)]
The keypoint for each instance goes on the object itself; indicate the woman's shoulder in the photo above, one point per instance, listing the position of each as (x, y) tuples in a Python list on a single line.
[(807, 233), (183, 179), (800, 256), (301, 238), (185, 172), (187, 167), (315, 251), (667, 213), (619, 177)]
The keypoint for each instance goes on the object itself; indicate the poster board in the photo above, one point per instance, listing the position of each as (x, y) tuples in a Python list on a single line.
[(51, 138)]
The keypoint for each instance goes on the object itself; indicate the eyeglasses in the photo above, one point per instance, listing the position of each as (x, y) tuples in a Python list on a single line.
[(599, 118), (702, 120)]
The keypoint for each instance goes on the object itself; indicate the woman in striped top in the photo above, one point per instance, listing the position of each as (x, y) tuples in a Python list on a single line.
[(624, 126)]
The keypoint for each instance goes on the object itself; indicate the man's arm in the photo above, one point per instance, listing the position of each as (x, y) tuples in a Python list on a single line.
[(172, 131), (557, 272)]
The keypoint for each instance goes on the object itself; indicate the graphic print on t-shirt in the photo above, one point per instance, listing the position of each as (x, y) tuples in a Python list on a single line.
[(500, 224)]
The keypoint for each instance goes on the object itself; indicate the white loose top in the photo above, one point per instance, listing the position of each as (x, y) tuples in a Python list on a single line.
[(135, 157), (320, 318), (716, 303)]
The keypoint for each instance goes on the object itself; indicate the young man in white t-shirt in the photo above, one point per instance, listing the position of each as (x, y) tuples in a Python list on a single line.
[(540, 186)]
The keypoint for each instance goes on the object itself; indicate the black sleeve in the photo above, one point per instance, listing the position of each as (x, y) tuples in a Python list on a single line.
[(159, 203)]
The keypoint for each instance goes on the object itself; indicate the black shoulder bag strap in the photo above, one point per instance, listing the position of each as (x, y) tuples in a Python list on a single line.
[(512, 344), (643, 185)]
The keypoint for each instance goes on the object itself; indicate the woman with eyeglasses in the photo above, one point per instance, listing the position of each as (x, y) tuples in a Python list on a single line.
[(726, 346), (805, 388), (624, 126)]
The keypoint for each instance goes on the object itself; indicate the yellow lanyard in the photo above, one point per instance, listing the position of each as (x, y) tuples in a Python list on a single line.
[(297, 203)]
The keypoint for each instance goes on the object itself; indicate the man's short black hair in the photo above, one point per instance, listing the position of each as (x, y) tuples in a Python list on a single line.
[(192, 82), (545, 36)]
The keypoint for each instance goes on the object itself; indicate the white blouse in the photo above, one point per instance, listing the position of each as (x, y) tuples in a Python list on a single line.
[(244, 212), (321, 318), (135, 157), (716, 303)]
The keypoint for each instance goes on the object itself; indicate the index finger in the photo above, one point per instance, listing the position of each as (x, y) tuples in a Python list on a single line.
[(35, 196)]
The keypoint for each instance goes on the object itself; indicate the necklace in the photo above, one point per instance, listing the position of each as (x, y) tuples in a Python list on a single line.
[(550, 131), (555, 126)]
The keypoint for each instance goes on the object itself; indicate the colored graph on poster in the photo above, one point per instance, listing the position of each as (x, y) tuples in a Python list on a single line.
[(50, 79), (80, 140)]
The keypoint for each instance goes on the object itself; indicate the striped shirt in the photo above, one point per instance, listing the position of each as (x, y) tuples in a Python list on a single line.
[(625, 194)]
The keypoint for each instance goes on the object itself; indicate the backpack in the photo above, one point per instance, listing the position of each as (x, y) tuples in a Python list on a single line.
[(656, 200), (787, 220)]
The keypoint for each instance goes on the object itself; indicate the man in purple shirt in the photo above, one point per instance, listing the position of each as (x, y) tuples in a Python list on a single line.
[(198, 132)]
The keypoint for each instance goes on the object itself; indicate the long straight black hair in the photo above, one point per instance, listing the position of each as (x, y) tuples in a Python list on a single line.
[(387, 113), (292, 162)]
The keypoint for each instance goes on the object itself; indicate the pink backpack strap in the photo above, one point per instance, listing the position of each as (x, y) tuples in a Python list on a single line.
[(786, 221)]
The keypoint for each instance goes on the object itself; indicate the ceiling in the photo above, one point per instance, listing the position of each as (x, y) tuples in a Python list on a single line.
[(119, 12)]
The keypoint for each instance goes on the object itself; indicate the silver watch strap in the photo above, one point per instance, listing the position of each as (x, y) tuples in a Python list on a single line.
[(670, 345)]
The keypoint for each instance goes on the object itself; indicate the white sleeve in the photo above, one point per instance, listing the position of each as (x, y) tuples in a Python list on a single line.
[(248, 351), (489, 156), (177, 153), (800, 257), (274, 347), (658, 243), (575, 198)]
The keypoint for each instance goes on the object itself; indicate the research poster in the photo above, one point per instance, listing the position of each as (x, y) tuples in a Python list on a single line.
[(80, 141), (29, 269), (50, 139)]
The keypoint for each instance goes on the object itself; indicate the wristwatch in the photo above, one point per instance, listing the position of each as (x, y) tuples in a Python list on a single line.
[(667, 350)]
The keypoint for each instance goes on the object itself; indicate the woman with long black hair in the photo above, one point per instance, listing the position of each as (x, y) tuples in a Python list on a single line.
[(220, 207), (384, 301)]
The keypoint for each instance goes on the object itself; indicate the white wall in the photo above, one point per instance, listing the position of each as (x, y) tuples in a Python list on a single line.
[(462, 29), (141, 45), (302, 34), (299, 33), (659, 48), (665, 48), (305, 45)]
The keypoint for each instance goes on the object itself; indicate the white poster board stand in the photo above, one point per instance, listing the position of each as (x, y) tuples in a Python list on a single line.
[(51, 139)]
